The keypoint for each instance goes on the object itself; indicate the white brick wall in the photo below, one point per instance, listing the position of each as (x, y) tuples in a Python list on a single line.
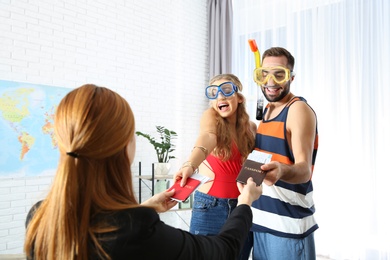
[(153, 53)]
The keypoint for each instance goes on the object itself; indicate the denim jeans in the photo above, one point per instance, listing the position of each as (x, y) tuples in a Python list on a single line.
[(269, 247), (209, 213)]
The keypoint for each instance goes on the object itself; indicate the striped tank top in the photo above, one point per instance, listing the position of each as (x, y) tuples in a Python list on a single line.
[(284, 209)]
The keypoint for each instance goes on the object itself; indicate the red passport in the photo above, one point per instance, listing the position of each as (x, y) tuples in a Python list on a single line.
[(182, 193)]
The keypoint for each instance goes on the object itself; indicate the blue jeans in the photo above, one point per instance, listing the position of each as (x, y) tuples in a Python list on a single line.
[(209, 213), (269, 247)]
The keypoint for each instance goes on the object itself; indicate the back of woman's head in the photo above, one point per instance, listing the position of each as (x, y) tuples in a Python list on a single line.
[(93, 126), (93, 122)]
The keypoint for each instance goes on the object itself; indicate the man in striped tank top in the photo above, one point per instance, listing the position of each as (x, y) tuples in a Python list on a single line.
[(283, 221)]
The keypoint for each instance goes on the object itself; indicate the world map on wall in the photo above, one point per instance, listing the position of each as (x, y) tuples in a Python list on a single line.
[(27, 143)]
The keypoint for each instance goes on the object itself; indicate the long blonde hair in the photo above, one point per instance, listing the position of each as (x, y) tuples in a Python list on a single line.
[(245, 142), (93, 125)]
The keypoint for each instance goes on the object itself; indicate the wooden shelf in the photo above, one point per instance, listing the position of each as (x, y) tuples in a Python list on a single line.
[(156, 177), (151, 178)]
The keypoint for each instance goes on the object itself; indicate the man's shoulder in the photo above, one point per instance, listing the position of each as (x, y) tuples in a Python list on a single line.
[(300, 104)]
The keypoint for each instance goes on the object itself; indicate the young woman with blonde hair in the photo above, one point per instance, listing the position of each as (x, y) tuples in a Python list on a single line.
[(226, 137)]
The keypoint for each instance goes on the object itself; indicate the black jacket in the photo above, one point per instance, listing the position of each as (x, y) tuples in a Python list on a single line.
[(142, 235)]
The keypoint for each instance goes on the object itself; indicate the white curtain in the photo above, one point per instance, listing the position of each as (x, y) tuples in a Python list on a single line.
[(342, 57)]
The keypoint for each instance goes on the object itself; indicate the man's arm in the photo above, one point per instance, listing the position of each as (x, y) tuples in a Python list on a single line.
[(301, 131)]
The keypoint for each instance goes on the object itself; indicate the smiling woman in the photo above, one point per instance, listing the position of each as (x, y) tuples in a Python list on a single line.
[(225, 139)]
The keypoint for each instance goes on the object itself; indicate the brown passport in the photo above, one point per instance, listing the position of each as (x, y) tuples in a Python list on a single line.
[(251, 169)]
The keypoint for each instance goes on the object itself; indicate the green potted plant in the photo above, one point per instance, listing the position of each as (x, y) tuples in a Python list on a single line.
[(163, 146)]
